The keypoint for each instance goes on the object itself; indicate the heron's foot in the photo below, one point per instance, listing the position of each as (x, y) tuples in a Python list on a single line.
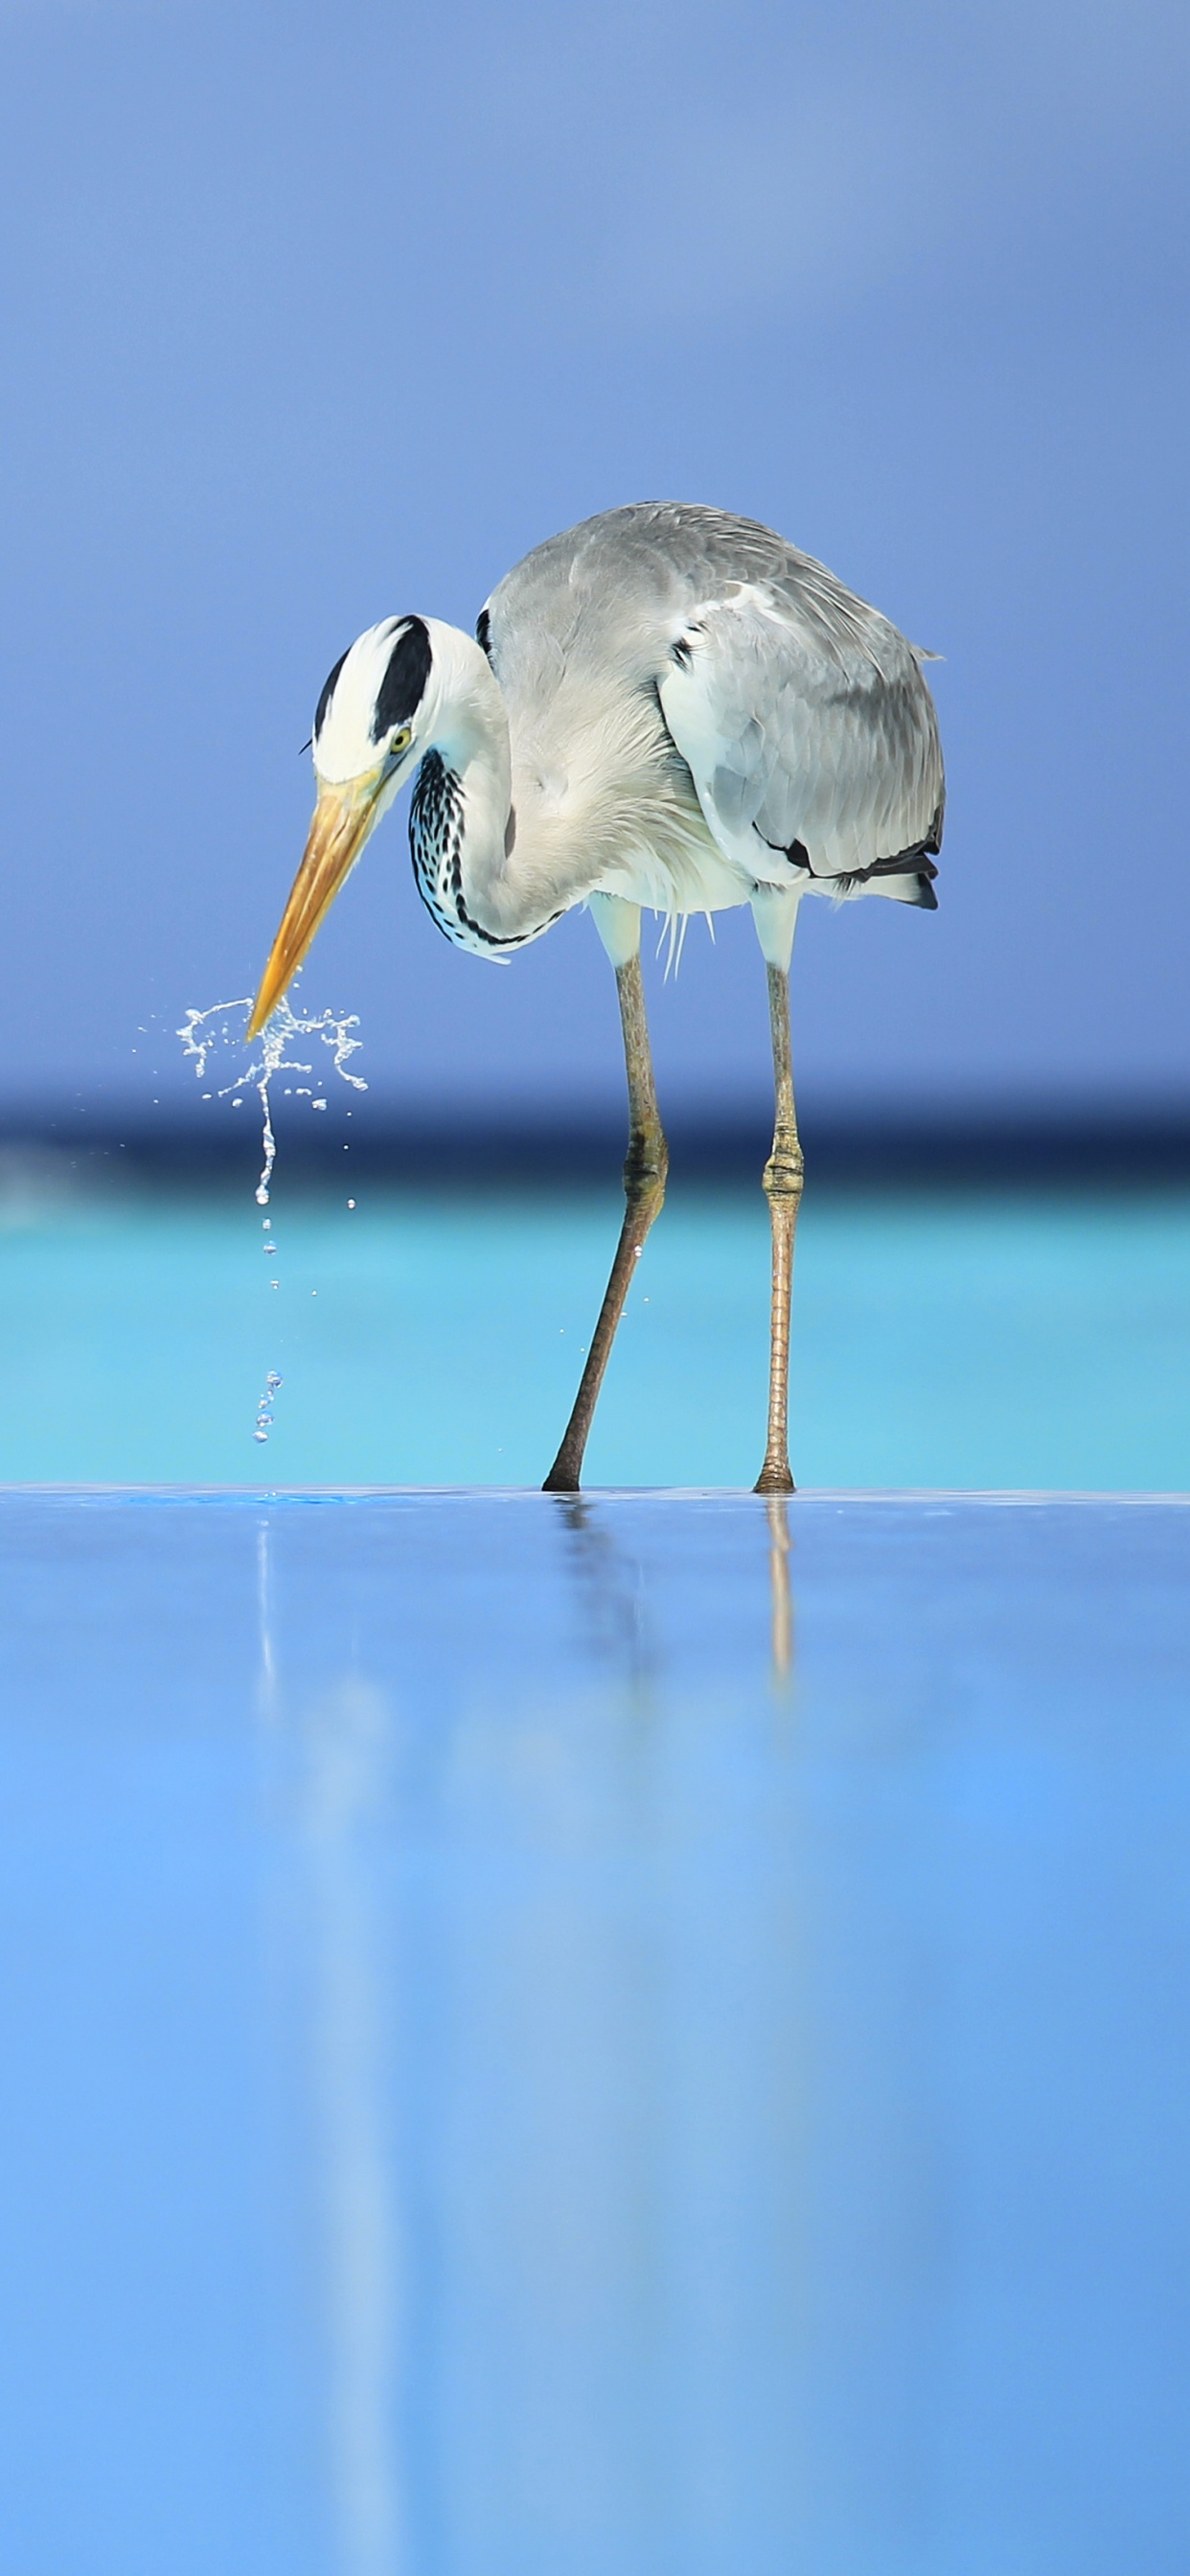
[(775, 1478), (564, 1475)]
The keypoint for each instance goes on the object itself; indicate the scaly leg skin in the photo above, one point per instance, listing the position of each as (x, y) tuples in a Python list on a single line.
[(783, 1189), (644, 1189)]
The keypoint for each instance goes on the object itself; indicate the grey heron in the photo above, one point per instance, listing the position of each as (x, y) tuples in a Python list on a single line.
[(666, 707)]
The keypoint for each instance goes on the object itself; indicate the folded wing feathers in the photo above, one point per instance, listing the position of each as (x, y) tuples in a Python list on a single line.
[(804, 733), (800, 713)]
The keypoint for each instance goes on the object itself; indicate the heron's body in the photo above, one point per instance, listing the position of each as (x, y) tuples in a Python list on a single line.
[(665, 707), (692, 710)]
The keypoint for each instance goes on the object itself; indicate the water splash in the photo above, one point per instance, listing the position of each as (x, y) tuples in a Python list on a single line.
[(203, 1033), (206, 1034)]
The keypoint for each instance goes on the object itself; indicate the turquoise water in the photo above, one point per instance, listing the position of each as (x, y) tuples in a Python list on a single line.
[(981, 1342)]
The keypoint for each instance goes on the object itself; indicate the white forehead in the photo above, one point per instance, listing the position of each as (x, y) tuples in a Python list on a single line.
[(411, 671), (343, 741)]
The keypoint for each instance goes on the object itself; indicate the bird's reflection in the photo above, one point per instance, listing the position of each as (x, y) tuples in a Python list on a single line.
[(610, 1582), (533, 2060)]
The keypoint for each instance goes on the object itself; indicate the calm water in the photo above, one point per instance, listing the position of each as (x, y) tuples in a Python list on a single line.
[(980, 1343), (531, 2052)]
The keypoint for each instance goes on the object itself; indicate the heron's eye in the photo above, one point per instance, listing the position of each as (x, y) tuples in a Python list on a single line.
[(400, 742)]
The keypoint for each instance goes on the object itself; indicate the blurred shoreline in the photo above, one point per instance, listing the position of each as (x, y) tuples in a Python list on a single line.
[(87, 1148)]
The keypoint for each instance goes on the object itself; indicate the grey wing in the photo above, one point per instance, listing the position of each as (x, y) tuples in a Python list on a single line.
[(812, 740)]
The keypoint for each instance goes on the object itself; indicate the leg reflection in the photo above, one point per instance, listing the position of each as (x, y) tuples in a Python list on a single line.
[(611, 1590), (777, 1511)]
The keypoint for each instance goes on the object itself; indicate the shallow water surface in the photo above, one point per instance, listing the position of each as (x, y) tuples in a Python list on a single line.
[(982, 1342), (589, 2039)]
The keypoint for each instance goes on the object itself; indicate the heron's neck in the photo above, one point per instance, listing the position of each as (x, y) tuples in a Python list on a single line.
[(474, 871), (587, 795)]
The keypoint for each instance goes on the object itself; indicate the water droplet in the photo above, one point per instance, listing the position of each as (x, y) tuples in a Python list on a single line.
[(351, 1203)]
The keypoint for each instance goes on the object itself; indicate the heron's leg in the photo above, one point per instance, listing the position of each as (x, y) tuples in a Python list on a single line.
[(783, 1188), (644, 1189)]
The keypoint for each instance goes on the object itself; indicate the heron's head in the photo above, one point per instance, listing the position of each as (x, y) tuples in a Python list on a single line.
[(375, 717)]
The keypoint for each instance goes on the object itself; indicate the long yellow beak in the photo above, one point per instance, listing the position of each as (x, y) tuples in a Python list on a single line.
[(342, 820)]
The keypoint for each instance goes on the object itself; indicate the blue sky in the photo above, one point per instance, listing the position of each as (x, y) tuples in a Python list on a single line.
[(316, 316)]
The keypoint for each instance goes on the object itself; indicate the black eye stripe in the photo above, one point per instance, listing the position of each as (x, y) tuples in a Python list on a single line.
[(404, 684)]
